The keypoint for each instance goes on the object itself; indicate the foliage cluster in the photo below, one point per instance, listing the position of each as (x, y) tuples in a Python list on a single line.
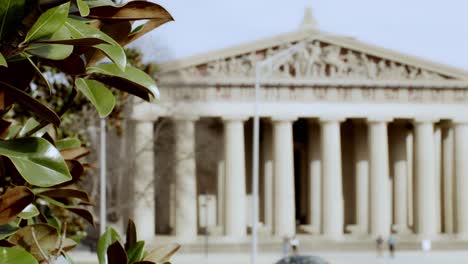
[(39, 168)]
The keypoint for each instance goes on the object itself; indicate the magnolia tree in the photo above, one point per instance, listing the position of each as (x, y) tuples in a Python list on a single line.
[(38, 169)]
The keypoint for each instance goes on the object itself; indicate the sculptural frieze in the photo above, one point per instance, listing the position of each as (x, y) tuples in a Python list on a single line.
[(316, 60)]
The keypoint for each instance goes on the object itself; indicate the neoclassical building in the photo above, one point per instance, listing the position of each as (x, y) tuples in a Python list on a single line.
[(355, 141)]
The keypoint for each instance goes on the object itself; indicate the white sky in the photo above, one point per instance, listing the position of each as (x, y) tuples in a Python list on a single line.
[(432, 29)]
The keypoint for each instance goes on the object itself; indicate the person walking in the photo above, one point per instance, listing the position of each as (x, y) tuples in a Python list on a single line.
[(379, 248), (391, 245)]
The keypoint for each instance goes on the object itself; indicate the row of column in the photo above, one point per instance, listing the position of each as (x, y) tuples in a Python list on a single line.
[(373, 186)]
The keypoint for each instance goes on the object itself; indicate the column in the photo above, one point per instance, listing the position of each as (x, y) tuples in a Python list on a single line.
[(332, 192), (400, 178), (235, 193), (144, 214), (267, 163), (380, 210), (425, 219), (185, 179), (285, 214), (361, 160), (448, 177), (220, 192), (315, 177), (410, 172), (461, 177), (438, 175)]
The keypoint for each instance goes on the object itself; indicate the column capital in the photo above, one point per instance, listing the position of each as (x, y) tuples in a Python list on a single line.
[(185, 117), (228, 118), (283, 118), (425, 119), (332, 119), (379, 119)]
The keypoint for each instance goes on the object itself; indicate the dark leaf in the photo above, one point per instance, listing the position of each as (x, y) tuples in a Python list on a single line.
[(6, 230), (108, 238), (131, 235), (13, 202), (135, 10), (116, 254), (18, 74), (73, 65), (85, 214), (147, 27), (26, 101), (11, 13), (66, 193), (75, 42)]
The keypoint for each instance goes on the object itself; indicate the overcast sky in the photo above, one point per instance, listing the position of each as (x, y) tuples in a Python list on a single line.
[(432, 29)]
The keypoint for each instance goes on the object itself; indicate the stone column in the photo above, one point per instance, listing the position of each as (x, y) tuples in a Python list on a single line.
[(267, 161), (400, 178), (144, 210), (361, 161), (438, 175), (185, 179), (461, 177), (220, 192), (332, 189), (235, 190), (448, 177), (380, 210), (315, 177), (285, 215), (425, 181), (410, 172)]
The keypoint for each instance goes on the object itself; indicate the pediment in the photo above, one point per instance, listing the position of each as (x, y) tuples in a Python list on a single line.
[(322, 59)]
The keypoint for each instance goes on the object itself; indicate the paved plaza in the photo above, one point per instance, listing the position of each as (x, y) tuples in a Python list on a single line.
[(363, 257)]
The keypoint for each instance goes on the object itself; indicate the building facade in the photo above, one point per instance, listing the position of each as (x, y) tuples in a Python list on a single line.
[(356, 141)]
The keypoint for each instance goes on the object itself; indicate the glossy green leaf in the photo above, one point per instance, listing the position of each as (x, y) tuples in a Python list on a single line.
[(52, 51), (11, 13), (138, 78), (108, 238), (48, 23), (26, 101), (82, 7), (37, 160), (67, 143), (30, 124), (3, 61), (113, 50), (29, 212), (98, 94), (15, 255), (136, 252)]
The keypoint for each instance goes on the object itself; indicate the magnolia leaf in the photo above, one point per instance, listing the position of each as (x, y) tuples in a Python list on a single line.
[(98, 94), (3, 61), (48, 23), (108, 238), (13, 202), (113, 50), (116, 254), (136, 252), (136, 29), (30, 124), (49, 50), (145, 28), (7, 230), (29, 212), (74, 153), (85, 214), (97, 3), (162, 254), (73, 65), (75, 42), (67, 143), (65, 193), (134, 10), (118, 31), (11, 13), (132, 80), (82, 7), (46, 236), (26, 101), (131, 235), (76, 170), (37, 160), (41, 75), (15, 255)]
